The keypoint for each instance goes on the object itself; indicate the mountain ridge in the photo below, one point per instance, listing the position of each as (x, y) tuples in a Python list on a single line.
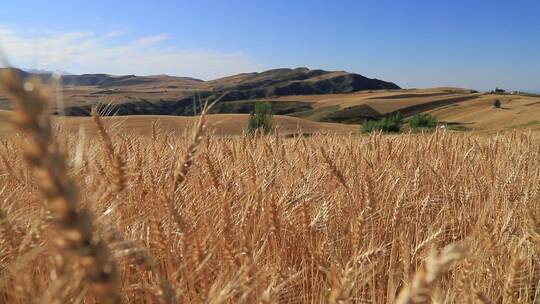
[(104, 78), (172, 95)]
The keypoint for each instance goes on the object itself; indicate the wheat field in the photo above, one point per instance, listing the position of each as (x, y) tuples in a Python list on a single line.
[(195, 218)]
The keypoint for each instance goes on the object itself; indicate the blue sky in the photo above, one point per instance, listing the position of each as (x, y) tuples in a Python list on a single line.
[(474, 44)]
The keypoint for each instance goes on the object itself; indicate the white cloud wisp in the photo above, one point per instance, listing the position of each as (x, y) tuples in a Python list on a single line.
[(112, 53)]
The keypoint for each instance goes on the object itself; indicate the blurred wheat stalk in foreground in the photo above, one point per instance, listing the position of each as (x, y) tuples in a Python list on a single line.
[(324, 219)]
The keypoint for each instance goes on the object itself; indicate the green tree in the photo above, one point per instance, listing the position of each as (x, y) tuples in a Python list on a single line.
[(262, 119), (423, 121), (497, 104), (368, 126), (252, 125), (388, 124)]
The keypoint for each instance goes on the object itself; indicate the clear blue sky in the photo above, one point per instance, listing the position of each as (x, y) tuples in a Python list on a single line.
[(475, 44)]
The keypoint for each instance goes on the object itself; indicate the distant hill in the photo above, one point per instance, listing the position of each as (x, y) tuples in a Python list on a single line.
[(169, 95), (299, 81)]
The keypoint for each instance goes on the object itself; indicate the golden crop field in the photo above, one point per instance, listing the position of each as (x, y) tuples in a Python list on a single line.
[(191, 218)]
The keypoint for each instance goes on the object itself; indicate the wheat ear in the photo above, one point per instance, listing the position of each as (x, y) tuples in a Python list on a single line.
[(424, 280), (76, 235), (118, 165)]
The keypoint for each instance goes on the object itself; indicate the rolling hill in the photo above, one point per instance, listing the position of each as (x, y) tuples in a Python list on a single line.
[(461, 108), (516, 112)]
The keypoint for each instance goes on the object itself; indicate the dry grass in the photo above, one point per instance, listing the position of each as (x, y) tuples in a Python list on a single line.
[(218, 124), (324, 219)]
